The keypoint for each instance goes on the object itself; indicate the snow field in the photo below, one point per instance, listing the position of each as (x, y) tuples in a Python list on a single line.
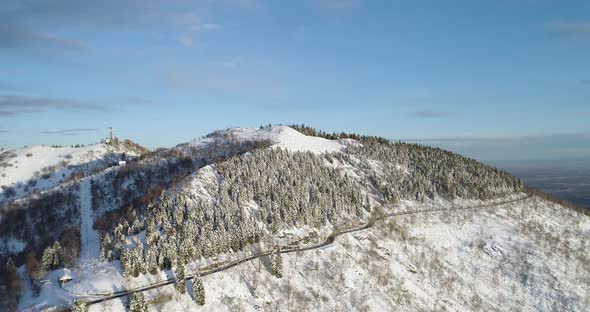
[(460, 260)]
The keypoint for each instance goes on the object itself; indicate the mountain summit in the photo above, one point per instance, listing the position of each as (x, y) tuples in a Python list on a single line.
[(282, 218)]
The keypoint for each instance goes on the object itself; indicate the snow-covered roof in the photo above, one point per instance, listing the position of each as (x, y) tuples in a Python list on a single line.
[(65, 275)]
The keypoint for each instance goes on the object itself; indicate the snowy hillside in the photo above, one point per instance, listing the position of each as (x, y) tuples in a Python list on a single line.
[(490, 259), (288, 138), (24, 164), (42, 167), (273, 219), (279, 136)]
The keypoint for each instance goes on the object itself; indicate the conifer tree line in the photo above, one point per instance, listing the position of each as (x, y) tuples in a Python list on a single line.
[(335, 136), (268, 189), (417, 172), (289, 189)]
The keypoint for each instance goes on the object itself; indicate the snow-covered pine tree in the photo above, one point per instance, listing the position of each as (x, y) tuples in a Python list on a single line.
[(279, 262), (198, 291), (57, 254), (151, 259), (139, 265), (137, 303), (276, 263), (79, 306), (179, 284), (103, 250), (47, 258)]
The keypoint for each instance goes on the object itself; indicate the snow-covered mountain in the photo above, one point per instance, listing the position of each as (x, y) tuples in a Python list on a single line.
[(38, 168), (274, 219)]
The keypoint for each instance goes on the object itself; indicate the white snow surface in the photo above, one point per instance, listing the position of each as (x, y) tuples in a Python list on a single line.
[(529, 256), (24, 167), (283, 137), (494, 259)]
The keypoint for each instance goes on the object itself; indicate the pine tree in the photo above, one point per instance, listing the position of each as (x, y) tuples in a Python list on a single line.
[(126, 262), (79, 306), (47, 258), (57, 254), (198, 291), (279, 263), (276, 263), (103, 251), (138, 303), (15, 283), (139, 265), (180, 279), (10, 267), (151, 260)]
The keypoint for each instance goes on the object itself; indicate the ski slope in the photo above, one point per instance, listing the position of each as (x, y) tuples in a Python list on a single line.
[(89, 236)]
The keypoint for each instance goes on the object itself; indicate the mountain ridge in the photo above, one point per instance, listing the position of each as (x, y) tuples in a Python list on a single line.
[(237, 189)]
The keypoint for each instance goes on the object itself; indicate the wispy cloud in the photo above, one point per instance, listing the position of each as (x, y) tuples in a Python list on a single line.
[(190, 24), (571, 29), (18, 38), (431, 114), (11, 105), (137, 100), (6, 113), (35, 23), (185, 40), (75, 131)]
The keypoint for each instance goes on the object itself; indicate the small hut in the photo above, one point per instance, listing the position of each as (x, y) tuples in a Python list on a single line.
[(65, 276)]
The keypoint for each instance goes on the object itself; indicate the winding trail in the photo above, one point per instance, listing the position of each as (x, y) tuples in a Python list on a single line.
[(329, 240)]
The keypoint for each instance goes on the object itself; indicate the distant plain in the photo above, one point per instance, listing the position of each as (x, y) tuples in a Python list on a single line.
[(568, 179)]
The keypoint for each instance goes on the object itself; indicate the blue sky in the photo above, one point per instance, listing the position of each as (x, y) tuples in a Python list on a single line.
[(164, 72)]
